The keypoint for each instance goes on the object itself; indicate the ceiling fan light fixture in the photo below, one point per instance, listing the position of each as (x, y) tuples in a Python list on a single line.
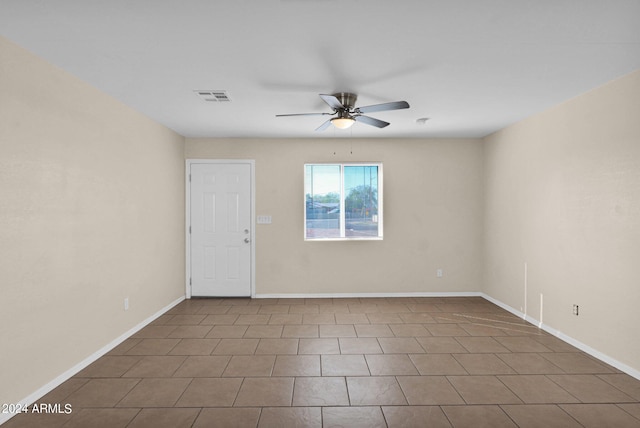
[(342, 122)]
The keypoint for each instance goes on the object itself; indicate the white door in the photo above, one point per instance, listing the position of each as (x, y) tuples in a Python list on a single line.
[(220, 240)]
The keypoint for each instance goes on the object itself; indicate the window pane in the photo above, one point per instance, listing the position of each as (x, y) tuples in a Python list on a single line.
[(361, 200), (322, 190)]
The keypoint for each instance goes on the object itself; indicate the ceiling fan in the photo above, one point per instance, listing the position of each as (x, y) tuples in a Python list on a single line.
[(343, 105)]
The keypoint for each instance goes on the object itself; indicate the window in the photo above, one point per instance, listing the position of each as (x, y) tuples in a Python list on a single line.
[(343, 201)]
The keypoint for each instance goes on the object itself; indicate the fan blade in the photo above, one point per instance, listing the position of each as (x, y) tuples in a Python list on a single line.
[(304, 114), (333, 102), (324, 126), (371, 121), (396, 105)]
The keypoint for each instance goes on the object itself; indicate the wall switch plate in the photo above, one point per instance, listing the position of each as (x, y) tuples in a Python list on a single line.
[(126, 303), (439, 273), (264, 219), (576, 310)]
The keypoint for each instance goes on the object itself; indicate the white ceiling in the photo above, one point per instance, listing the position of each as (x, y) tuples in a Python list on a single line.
[(471, 66)]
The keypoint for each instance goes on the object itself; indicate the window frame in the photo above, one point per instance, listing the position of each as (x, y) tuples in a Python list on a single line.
[(343, 198)]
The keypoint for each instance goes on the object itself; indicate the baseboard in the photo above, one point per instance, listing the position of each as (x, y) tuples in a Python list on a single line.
[(364, 295), (42, 391), (568, 339)]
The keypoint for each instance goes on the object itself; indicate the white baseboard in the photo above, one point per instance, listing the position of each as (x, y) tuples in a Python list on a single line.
[(45, 389), (570, 340), (364, 295)]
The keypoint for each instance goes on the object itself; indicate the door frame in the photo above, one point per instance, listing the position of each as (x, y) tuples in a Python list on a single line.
[(188, 163)]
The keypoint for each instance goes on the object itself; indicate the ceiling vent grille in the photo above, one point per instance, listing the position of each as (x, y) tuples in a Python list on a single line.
[(212, 96)]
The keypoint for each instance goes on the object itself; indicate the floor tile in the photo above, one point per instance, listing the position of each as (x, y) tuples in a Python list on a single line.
[(297, 365), (320, 391), (373, 330), (601, 415), (210, 392), (236, 347), (247, 319), (203, 366), (102, 418), (195, 347), (155, 392), (441, 345), (540, 416), (590, 389), (577, 363), (391, 364), (301, 331), (344, 365), (227, 417), (277, 346), (154, 332), (319, 346), (260, 331), (318, 319), (353, 417), (164, 418), (227, 331), (153, 347), (400, 345), (537, 389), (529, 363), (624, 383), (483, 390), (278, 417), (360, 345), (109, 366), (265, 392), (437, 364), (351, 318), (417, 318), (274, 309), (218, 319), (376, 390), (101, 392), (250, 366), (401, 362), (409, 330), (380, 318), (428, 390), (415, 417), (337, 330), (446, 330), (155, 366), (190, 331), (284, 319), (479, 364), (477, 417), (476, 345), (522, 344)]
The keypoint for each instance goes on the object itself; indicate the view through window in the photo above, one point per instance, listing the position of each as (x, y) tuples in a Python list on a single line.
[(343, 201)]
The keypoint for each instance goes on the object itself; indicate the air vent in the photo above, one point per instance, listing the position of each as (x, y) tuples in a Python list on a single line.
[(211, 96)]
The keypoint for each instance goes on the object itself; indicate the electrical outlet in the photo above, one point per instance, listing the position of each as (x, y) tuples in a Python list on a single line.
[(126, 303), (439, 273), (576, 310)]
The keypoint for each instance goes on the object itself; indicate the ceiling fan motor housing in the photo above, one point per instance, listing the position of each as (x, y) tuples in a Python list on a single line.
[(347, 99)]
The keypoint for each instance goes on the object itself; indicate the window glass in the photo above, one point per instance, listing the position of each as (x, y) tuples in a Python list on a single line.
[(343, 201)]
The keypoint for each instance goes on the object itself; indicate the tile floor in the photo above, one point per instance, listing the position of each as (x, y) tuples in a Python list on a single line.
[(396, 362)]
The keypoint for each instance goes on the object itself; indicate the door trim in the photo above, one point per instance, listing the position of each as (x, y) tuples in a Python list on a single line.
[(188, 163)]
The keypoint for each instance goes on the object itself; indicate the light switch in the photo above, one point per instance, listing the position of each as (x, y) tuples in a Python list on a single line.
[(264, 219)]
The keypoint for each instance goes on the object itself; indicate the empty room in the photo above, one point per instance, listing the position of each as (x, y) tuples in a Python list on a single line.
[(317, 213)]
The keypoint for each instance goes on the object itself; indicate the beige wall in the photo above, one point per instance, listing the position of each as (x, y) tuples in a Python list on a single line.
[(91, 212), (563, 195), (432, 216)]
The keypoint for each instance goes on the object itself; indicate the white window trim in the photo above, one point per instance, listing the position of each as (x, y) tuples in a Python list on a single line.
[(342, 203)]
